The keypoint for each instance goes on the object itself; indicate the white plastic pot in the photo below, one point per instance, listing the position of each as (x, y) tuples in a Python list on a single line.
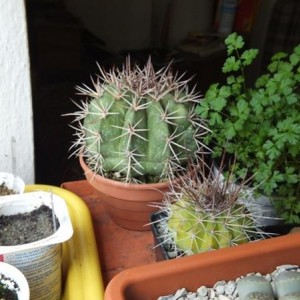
[(40, 261), (15, 279), (12, 182)]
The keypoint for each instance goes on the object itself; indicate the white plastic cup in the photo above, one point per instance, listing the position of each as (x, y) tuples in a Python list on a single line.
[(40, 261), (12, 182), (16, 276)]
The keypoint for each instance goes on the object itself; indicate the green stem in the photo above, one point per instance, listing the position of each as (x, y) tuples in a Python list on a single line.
[(242, 70)]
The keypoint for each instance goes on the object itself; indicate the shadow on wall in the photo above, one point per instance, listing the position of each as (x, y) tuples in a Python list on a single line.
[(138, 24)]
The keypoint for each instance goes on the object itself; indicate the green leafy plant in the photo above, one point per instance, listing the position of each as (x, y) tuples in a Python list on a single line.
[(259, 125), (138, 124)]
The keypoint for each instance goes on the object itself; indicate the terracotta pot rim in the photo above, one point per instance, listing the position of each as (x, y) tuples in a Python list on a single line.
[(136, 186)]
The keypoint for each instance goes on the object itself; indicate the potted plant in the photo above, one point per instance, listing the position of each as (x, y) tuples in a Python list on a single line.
[(259, 125), (135, 132), (13, 283), (190, 272), (33, 227), (11, 184), (204, 212)]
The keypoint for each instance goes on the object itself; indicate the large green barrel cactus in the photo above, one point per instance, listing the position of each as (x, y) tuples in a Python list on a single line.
[(138, 124), (204, 213)]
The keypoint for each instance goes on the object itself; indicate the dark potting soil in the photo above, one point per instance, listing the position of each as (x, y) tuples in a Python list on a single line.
[(24, 228), (4, 190), (7, 293)]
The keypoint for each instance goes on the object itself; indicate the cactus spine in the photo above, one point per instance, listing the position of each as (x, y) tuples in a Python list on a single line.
[(138, 124)]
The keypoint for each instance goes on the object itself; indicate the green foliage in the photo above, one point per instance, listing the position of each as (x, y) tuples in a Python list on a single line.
[(138, 125), (259, 125)]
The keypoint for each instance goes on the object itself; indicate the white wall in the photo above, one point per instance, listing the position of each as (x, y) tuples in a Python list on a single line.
[(15, 92)]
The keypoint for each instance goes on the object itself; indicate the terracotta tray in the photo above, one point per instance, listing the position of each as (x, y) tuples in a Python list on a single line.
[(81, 265)]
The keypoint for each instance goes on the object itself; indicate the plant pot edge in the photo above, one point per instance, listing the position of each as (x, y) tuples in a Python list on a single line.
[(16, 275), (122, 200), (279, 250)]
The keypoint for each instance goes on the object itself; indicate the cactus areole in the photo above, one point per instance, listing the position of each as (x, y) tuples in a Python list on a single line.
[(137, 124)]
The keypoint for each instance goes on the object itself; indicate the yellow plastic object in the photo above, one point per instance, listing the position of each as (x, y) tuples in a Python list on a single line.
[(81, 265)]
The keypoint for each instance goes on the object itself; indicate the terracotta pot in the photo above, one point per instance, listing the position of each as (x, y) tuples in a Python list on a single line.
[(150, 281), (129, 205)]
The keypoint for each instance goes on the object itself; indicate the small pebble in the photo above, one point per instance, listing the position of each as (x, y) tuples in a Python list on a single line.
[(212, 294), (235, 294), (287, 267), (172, 254), (223, 290), (192, 296), (268, 277), (230, 287), (219, 287), (222, 297), (168, 297), (180, 293), (202, 291)]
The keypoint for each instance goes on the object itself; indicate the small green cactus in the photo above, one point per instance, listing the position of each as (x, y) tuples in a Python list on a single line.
[(291, 296), (198, 231), (258, 296), (287, 283), (204, 213), (254, 287), (138, 124)]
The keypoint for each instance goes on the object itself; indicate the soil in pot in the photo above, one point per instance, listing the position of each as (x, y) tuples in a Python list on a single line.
[(8, 288), (11, 184), (23, 228), (4, 190)]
